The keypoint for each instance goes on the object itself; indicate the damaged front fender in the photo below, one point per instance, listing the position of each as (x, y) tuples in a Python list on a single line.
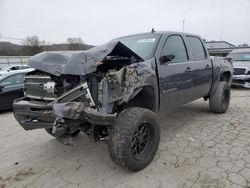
[(125, 84), (116, 88)]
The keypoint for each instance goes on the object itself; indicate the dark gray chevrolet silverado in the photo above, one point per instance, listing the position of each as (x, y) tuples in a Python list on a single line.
[(114, 91)]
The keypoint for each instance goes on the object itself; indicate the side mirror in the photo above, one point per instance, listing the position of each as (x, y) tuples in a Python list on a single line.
[(166, 58)]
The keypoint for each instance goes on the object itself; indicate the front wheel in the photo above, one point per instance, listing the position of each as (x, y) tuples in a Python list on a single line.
[(220, 99), (134, 138)]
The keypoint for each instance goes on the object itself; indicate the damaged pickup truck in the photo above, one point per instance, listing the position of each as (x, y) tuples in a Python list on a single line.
[(113, 92)]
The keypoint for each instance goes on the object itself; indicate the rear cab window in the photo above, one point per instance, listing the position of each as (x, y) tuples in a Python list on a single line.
[(196, 48)]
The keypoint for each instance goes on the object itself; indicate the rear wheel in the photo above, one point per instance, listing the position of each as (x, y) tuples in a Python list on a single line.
[(220, 99), (134, 138)]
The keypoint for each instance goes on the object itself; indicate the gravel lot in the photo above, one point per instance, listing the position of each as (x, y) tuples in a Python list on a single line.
[(197, 149)]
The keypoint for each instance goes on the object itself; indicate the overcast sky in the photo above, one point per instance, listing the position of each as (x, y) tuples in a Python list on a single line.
[(98, 21)]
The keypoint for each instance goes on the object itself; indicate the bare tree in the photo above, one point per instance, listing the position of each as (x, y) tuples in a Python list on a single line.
[(32, 45), (76, 40), (75, 43), (31, 41)]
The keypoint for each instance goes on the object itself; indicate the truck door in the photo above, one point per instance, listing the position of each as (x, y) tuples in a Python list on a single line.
[(202, 67), (176, 74)]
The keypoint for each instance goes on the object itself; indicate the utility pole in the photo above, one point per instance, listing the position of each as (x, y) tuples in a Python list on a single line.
[(183, 25), (220, 35), (44, 45)]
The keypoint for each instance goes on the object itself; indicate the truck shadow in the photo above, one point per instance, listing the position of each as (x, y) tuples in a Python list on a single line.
[(4, 112), (90, 161)]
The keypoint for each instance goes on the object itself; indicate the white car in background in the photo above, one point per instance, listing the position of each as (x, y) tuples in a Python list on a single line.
[(14, 68), (241, 64)]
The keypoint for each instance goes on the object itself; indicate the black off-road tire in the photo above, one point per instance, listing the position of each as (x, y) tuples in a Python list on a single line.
[(220, 99), (74, 134), (128, 129)]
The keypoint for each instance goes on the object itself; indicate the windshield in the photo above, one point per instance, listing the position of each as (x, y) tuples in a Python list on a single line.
[(240, 56), (143, 45)]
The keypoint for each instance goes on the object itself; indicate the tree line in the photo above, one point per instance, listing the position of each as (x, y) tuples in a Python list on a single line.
[(33, 45)]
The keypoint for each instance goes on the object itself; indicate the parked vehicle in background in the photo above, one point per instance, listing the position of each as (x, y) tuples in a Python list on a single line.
[(11, 87), (4, 69), (114, 91), (241, 64)]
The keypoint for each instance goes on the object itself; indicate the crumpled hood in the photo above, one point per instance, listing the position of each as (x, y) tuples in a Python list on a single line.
[(79, 62)]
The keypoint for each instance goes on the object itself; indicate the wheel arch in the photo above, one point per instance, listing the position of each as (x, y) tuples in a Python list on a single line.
[(226, 76), (146, 98)]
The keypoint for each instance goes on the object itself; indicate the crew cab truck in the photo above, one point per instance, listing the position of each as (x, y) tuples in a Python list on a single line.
[(114, 92)]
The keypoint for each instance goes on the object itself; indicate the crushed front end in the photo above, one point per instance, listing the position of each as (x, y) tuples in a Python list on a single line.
[(67, 101)]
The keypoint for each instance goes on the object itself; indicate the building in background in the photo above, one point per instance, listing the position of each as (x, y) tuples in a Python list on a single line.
[(219, 48)]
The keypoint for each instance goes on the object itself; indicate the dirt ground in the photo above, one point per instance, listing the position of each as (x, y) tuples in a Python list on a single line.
[(197, 149)]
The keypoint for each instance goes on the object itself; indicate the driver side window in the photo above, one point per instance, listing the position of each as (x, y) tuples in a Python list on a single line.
[(175, 46)]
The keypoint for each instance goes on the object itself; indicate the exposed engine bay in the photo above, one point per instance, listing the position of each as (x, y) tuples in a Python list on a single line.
[(67, 101), (112, 83)]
